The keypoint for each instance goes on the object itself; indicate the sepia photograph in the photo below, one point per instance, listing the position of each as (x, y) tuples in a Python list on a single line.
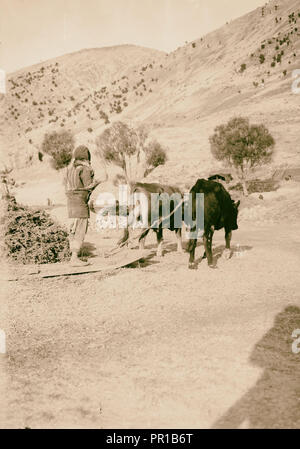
[(150, 217)]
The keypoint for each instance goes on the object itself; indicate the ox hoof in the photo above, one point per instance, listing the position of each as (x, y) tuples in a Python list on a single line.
[(213, 267), (227, 254), (192, 266)]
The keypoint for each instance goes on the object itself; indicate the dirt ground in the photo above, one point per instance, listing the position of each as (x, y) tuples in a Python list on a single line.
[(157, 345)]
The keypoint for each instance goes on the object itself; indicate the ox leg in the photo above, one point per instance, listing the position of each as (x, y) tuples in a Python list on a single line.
[(124, 238), (207, 240), (142, 239), (227, 252), (159, 236), (179, 240), (191, 248)]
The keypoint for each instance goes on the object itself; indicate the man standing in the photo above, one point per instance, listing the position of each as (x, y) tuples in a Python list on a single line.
[(79, 185)]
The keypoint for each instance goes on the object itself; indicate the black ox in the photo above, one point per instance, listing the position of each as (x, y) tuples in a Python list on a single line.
[(220, 211)]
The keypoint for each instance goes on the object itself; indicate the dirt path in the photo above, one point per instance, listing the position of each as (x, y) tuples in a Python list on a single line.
[(159, 345)]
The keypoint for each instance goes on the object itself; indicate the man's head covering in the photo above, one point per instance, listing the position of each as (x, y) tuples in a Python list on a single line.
[(82, 153)]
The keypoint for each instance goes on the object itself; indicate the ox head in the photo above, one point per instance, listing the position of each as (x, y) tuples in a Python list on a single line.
[(234, 215)]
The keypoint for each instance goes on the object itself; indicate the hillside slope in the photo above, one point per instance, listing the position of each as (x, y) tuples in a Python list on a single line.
[(76, 91), (245, 67)]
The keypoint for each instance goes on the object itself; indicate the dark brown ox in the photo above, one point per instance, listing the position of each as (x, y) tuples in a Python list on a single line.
[(220, 211)]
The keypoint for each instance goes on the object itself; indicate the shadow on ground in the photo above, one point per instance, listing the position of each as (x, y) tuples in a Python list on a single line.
[(88, 250), (236, 251), (274, 401), (145, 262)]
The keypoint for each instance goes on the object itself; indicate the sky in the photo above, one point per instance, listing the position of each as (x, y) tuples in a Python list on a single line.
[(32, 31)]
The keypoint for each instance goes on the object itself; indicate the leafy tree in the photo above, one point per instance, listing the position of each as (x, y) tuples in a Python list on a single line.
[(127, 148), (60, 146), (242, 146), (156, 155)]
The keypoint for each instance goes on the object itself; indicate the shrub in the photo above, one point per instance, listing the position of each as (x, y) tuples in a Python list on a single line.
[(262, 58), (156, 155), (32, 236), (243, 68), (59, 145)]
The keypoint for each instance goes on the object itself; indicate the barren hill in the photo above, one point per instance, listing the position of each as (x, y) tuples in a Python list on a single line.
[(78, 91), (245, 67)]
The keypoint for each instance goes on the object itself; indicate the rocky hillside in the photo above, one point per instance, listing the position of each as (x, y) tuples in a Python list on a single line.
[(245, 67), (79, 91)]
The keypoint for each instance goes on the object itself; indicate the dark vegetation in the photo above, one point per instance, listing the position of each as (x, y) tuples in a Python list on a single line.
[(31, 236), (280, 47), (242, 146), (60, 146), (124, 146), (45, 84)]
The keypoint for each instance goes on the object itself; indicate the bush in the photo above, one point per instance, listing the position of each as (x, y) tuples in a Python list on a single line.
[(243, 68), (242, 146), (156, 155), (60, 146), (31, 236), (262, 58)]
